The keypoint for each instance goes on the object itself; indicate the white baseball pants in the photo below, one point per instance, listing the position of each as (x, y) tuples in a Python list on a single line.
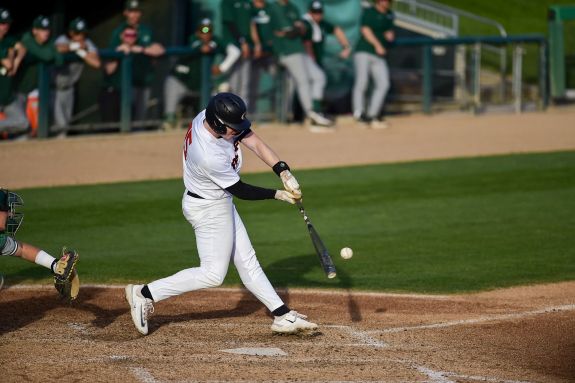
[(220, 237)]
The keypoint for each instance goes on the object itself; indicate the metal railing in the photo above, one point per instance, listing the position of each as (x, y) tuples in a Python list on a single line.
[(428, 43), (425, 43), (428, 16), (446, 21)]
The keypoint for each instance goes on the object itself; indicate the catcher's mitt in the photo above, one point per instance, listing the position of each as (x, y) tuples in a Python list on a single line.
[(66, 278)]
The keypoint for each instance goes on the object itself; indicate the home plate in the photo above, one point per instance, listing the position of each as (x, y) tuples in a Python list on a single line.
[(258, 351)]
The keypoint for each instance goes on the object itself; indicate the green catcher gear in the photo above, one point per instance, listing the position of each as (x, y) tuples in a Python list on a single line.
[(9, 202)]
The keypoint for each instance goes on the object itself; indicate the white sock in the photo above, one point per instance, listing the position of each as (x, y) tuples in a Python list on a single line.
[(44, 259)]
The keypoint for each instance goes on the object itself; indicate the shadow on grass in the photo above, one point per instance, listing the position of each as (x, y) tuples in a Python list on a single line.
[(32, 273)]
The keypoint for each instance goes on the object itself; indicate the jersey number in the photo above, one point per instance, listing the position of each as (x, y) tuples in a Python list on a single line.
[(187, 141)]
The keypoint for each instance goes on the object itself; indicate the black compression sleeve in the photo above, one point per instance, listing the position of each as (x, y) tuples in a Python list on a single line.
[(250, 192)]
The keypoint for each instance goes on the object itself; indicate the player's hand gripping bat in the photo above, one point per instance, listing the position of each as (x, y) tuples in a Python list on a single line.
[(320, 249)]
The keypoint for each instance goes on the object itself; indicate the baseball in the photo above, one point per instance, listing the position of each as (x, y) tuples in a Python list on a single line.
[(346, 253)]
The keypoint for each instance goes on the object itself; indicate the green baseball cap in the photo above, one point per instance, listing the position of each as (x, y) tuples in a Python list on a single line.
[(316, 6), (5, 17), (133, 5), (205, 25), (41, 22), (78, 25)]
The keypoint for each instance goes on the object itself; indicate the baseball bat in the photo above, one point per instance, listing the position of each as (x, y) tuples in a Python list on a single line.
[(320, 249)]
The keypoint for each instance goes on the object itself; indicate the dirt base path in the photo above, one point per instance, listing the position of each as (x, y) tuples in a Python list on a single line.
[(523, 334), (127, 157)]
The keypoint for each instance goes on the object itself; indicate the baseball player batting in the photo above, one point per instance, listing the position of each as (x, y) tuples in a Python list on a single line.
[(212, 159)]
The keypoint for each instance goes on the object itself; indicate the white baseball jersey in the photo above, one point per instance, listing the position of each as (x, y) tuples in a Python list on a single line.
[(210, 164)]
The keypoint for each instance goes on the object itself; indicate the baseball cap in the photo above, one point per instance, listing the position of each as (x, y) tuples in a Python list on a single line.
[(5, 17), (41, 22), (316, 6), (205, 25), (78, 25), (133, 5)]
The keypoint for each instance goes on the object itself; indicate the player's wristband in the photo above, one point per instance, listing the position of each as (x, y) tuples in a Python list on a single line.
[(280, 167)]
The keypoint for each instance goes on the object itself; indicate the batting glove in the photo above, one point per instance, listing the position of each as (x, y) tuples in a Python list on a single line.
[(290, 183), (284, 195)]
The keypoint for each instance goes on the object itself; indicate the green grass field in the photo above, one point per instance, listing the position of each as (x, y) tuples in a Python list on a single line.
[(438, 226)]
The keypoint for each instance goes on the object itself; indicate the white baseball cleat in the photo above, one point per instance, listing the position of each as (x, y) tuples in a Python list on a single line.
[(379, 124), (140, 307), (291, 323), (319, 119)]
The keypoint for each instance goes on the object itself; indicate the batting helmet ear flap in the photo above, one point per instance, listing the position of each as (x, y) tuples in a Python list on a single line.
[(215, 123)]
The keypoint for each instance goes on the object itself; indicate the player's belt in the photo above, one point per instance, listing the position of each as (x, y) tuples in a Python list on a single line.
[(193, 194)]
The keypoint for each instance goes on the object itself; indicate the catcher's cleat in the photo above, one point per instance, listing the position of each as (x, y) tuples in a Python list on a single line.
[(65, 265), (292, 323), (140, 307)]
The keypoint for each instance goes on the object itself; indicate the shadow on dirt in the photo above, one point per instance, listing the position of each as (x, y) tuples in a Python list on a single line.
[(296, 270), (22, 312)]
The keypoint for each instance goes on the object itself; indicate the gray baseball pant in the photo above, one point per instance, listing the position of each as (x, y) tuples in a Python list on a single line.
[(63, 105), (16, 120), (369, 65), (240, 78), (309, 78), (140, 99), (174, 90)]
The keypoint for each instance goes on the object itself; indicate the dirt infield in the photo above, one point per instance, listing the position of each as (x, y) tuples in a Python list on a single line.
[(514, 335), (522, 334)]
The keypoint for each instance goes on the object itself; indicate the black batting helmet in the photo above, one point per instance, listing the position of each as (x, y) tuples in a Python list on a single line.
[(227, 110)]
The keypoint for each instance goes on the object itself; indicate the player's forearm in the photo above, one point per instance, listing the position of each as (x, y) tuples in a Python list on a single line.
[(370, 37), (261, 149), (233, 53), (341, 37), (250, 192)]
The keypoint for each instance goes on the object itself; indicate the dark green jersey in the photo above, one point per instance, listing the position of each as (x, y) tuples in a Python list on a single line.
[(145, 37), (142, 65), (316, 33), (379, 23), (6, 83), (188, 68), (283, 17), (236, 17), (27, 76), (142, 72), (261, 17)]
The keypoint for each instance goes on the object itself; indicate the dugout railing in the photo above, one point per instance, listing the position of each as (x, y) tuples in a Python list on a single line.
[(425, 76)]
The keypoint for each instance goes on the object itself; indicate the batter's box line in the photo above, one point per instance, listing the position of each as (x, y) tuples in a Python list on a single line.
[(363, 336), (492, 318), (443, 376)]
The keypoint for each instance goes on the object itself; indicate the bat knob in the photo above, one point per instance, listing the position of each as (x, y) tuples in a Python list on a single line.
[(331, 275)]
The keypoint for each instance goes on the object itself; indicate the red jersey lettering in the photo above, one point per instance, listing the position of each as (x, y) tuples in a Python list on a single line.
[(187, 141)]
